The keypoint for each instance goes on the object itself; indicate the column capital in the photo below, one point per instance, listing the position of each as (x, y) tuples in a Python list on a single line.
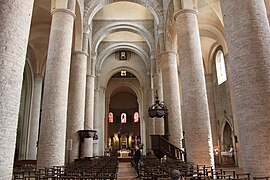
[(152, 56), (90, 75), (38, 75), (168, 52), (182, 11), (160, 29), (65, 11), (93, 55), (86, 29), (79, 53)]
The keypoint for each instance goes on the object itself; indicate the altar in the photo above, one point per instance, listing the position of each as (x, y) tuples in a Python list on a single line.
[(227, 158), (123, 153)]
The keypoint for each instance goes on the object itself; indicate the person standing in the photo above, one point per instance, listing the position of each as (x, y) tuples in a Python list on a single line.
[(137, 158)]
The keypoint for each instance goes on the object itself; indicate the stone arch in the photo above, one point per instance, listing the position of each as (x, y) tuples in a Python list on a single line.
[(139, 94), (170, 35), (104, 79), (31, 59), (227, 136), (209, 31), (129, 46), (211, 58), (78, 29), (127, 84), (94, 6), (120, 26), (213, 32)]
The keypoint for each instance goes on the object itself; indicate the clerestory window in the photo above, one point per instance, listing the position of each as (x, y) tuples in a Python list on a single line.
[(220, 67)]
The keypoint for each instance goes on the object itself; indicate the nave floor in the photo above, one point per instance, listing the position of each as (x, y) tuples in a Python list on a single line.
[(126, 172)]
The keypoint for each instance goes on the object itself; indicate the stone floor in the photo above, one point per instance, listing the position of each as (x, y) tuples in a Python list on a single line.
[(126, 172)]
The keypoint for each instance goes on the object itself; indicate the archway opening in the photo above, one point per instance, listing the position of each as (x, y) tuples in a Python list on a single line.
[(228, 148), (123, 120)]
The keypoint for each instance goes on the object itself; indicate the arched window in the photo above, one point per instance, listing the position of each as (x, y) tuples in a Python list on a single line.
[(136, 117), (110, 117), (123, 118), (220, 67)]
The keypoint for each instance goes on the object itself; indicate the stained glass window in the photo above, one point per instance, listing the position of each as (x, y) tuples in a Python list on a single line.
[(110, 117), (136, 117), (123, 118)]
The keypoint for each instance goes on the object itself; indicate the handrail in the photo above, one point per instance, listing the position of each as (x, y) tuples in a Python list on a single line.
[(171, 150), (161, 146)]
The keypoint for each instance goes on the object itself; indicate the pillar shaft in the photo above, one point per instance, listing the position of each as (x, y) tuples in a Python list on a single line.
[(76, 101), (98, 146), (34, 126), (212, 108), (195, 114), (89, 105), (96, 123), (250, 68), (172, 96), (89, 112), (13, 13), (159, 122), (157, 80), (51, 150)]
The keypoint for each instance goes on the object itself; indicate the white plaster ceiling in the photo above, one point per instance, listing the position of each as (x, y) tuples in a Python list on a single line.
[(123, 11)]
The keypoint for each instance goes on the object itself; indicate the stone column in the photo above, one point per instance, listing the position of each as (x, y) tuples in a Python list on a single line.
[(172, 96), (150, 121), (76, 102), (212, 108), (249, 54), (89, 105), (51, 151), (159, 122), (95, 122), (151, 99), (212, 115), (100, 121), (35, 115), (196, 120), (14, 31), (98, 146)]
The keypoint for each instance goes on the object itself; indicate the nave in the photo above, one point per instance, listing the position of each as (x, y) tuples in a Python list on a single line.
[(75, 66)]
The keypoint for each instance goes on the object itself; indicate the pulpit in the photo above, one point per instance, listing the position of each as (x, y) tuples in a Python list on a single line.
[(86, 134)]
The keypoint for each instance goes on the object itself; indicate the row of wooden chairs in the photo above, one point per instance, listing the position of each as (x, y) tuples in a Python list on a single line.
[(153, 168), (104, 168)]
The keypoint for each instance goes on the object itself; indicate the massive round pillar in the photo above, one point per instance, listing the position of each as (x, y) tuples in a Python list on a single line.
[(52, 144), (172, 96), (196, 120), (15, 20), (247, 34), (35, 116), (76, 102)]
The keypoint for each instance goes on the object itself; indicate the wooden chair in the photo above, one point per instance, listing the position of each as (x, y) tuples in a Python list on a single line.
[(261, 177), (243, 175)]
